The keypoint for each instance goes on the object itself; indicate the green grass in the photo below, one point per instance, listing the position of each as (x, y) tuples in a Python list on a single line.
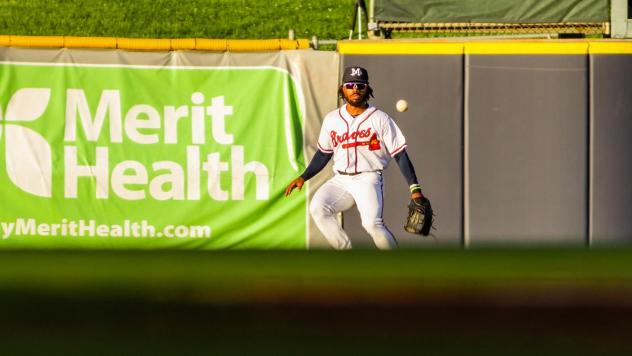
[(226, 19), (230, 19)]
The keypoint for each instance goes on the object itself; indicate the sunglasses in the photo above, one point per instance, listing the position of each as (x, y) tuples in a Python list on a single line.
[(359, 86)]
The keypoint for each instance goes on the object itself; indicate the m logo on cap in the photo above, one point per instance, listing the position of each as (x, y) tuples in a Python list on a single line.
[(355, 75)]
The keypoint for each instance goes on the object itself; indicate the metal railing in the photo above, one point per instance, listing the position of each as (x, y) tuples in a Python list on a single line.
[(602, 28)]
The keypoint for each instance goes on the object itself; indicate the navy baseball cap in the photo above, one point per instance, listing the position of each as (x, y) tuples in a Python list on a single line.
[(355, 75)]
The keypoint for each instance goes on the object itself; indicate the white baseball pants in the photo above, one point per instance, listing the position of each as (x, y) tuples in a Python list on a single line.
[(339, 194)]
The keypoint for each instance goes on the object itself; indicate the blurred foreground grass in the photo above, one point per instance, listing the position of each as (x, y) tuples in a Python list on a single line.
[(260, 276), (434, 302)]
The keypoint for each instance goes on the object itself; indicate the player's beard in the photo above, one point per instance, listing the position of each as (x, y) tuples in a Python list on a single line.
[(358, 102)]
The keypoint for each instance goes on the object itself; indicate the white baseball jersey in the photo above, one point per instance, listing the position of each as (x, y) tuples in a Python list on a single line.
[(364, 143)]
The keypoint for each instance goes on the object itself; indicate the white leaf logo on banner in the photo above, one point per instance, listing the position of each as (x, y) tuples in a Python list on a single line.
[(28, 155), (27, 104)]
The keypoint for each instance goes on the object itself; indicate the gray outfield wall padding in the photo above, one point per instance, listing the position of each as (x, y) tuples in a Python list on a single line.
[(546, 145), (611, 122), (526, 149), (433, 87)]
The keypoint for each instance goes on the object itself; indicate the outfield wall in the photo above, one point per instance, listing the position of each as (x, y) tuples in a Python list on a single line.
[(515, 142)]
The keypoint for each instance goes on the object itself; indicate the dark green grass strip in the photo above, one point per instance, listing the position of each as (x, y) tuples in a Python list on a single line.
[(247, 276), (435, 302)]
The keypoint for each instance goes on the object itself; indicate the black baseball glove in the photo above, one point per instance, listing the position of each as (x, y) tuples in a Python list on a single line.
[(420, 217)]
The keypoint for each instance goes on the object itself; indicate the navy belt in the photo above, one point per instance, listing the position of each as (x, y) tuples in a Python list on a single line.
[(349, 174)]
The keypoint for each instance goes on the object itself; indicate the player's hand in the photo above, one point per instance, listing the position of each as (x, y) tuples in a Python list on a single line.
[(296, 183), (417, 197)]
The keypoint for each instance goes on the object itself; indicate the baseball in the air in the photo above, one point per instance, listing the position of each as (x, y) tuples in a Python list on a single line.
[(401, 105)]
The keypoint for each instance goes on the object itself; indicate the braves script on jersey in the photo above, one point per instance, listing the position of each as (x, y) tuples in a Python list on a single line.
[(360, 144)]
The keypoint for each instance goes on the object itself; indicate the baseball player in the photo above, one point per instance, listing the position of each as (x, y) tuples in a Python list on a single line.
[(362, 140)]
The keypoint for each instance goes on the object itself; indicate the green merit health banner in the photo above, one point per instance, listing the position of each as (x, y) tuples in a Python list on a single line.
[(124, 156)]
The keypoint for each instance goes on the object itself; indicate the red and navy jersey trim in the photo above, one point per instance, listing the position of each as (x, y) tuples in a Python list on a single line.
[(346, 123), (398, 150), (324, 150), (356, 141)]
